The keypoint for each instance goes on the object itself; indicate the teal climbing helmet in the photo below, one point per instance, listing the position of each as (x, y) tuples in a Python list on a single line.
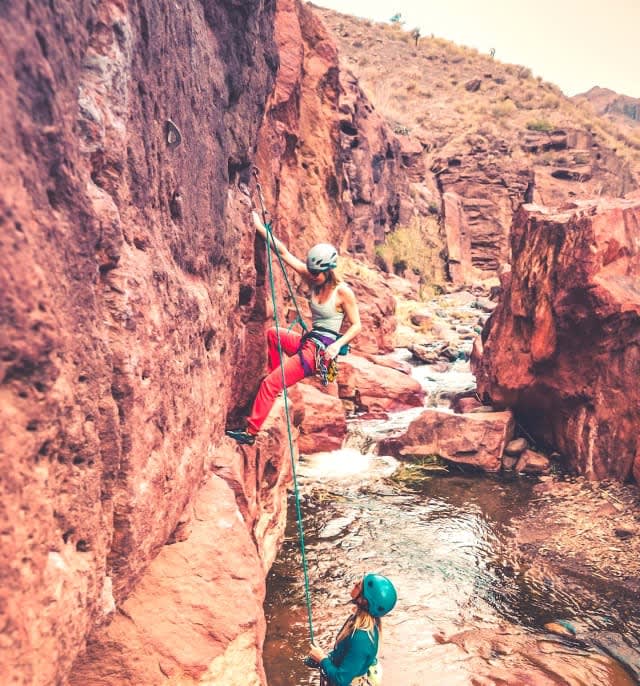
[(379, 593)]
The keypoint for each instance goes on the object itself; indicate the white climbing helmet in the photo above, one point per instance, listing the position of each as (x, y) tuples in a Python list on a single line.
[(322, 257)]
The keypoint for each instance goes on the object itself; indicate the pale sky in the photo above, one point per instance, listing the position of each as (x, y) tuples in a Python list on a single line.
[(575, 45)]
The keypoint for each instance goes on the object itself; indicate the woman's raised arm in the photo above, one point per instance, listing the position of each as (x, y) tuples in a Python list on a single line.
[(290, 259)]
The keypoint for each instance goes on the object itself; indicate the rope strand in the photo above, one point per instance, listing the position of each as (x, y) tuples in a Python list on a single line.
[(286, 412)]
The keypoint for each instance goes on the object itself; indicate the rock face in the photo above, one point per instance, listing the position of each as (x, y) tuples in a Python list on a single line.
[(562, 346), (333, 169), (481, 187), (133, 318), (126, 281), (477, 440)]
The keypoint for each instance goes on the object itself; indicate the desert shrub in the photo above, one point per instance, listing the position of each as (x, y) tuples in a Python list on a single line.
[(549, 102), (540, 125), (414, 248), (503, 109)]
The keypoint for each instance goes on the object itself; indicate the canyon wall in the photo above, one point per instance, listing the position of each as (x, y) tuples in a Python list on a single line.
[(563, 346), (127, 279), (135, 538)]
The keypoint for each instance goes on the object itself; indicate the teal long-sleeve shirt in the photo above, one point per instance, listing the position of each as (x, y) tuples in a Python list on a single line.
[(351, 657)]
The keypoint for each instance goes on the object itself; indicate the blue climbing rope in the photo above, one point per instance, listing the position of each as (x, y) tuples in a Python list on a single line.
[(271, 242)]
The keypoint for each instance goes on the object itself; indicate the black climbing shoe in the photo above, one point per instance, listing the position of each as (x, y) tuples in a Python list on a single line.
[(243, 437)]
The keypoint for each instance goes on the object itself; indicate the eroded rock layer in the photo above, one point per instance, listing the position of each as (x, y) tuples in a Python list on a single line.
[(563, 345)]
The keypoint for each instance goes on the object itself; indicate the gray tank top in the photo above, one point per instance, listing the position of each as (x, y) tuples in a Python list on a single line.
[(326, 314)]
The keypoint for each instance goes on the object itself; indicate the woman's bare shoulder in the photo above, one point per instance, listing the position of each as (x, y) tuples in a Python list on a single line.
[(345, 291)]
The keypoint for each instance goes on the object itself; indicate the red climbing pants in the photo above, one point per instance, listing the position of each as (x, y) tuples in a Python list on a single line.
[(293, 372)]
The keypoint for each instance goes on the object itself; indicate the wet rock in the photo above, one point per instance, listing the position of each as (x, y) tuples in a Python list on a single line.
[(473, 439), (424, 353), (531, 462), (516, 447), (451, 354), (337, 526)]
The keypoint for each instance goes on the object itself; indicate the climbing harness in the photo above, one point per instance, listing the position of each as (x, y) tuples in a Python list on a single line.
[(326, 367), (303, 555)]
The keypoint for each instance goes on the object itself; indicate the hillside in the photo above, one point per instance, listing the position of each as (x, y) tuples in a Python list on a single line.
[(622, 109), (442, 92)]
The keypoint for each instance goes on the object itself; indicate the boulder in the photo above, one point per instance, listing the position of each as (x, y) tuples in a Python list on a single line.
[(532, 462), (477, 440), (377, 389)]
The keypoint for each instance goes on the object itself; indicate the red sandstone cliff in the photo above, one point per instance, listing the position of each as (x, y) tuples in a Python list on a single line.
[(562, 346), (135, 538), (127, 278)]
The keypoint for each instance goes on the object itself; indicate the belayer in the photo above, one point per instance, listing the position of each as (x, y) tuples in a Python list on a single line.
[(354, 659), (330, 301)]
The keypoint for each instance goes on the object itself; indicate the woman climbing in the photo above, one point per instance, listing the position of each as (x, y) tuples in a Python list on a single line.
[(354, 659), (331, 300)]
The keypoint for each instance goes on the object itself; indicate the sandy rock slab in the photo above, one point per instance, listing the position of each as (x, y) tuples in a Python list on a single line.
[(578, 527), (510, 657), (196, 616)]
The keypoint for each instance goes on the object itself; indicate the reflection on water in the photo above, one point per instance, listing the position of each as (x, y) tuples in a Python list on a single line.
[(444, 541)]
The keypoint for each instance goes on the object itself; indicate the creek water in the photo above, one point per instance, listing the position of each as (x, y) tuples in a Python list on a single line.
[(446, 538)]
